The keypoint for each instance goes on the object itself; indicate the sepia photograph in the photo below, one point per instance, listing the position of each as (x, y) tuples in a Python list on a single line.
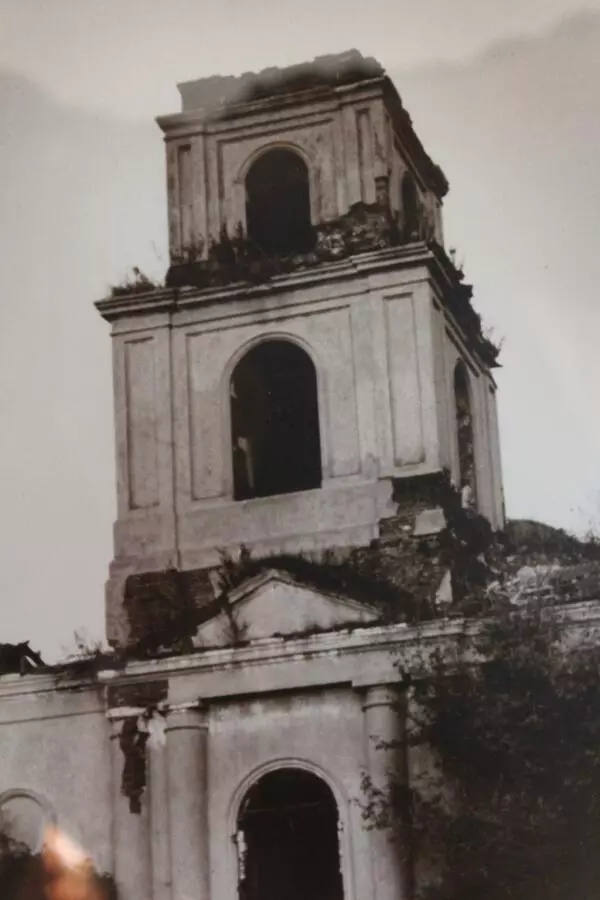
[(299, 378)]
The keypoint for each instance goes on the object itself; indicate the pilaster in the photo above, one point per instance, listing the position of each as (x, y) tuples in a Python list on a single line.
[(187, 740), (158, 793), (131, 844), (384, 708)]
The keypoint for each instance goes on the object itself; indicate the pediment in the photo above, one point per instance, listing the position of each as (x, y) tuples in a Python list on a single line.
[(273, 604)]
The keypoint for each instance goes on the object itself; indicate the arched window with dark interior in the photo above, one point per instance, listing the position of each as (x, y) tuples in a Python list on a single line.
[(464, 430), (411, 214), (278, 203), (288, 839), (276, 441)]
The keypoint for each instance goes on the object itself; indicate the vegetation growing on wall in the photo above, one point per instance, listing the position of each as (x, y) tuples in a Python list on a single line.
[(137, 282), (235, 258), (511, 807), (398, 574)]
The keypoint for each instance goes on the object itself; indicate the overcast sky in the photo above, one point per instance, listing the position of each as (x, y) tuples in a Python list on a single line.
[(505, 95)]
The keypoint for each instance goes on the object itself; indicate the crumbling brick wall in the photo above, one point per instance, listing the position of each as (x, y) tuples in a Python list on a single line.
[(430, 536)]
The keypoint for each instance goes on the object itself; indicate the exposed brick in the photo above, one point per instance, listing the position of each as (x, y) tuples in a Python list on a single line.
[(398, 573)]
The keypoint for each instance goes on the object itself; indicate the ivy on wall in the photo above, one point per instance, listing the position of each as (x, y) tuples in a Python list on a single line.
[(509, 806)]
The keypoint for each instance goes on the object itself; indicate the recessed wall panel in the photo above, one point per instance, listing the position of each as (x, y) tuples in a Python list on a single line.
[(186, 194), (365, 154), (404, 380), (207, 445), (142, 457)]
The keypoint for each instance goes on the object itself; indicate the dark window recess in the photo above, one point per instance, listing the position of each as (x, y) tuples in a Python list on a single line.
[(275, 422), (411, 213), (464, 427), (288, 839), (278, 203)]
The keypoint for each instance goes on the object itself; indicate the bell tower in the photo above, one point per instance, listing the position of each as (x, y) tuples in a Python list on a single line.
[(313, 367)]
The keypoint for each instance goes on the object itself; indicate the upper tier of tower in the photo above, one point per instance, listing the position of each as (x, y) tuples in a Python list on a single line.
[(283, 156)]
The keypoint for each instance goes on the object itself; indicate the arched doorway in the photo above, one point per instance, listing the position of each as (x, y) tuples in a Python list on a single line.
[(288, 839), (276, 442), (278, 203), (465, 437)]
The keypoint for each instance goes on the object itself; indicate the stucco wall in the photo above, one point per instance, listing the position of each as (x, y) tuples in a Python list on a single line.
[(384, 351), (371, 342), (56, 743), (322, 731), (269, 704), (343, 142), (347, 141)]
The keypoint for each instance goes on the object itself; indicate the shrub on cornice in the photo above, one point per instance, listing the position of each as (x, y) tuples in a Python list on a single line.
[(136, 283)]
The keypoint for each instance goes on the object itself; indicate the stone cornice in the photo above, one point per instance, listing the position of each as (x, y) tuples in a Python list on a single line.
[(171, 299), (359, 657), (398, 645), (268, 651), (136, 303), (308, 105), (383, 263), (354, 658)]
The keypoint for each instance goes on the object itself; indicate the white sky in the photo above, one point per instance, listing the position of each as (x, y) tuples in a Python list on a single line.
[(127, 55), (82, 198)]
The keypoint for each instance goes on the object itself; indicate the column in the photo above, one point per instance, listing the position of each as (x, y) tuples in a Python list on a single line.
[(131, 845), (187, 739), (159, 810), (384, 722)]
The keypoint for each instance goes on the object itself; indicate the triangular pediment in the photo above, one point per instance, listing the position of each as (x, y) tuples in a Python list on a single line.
[(273, 604)]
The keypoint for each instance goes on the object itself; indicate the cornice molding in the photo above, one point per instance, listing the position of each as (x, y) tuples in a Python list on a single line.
[(383, 263), (399, 640)]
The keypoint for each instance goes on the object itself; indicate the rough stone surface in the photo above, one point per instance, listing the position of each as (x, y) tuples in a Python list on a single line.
[(324, 71), (163, 609), (399, 573), (429, 522)]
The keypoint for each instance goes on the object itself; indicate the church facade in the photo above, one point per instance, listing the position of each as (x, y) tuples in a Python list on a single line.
[(292, 412)]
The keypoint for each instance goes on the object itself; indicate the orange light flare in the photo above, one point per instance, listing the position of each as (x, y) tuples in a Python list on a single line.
[(69, 870)]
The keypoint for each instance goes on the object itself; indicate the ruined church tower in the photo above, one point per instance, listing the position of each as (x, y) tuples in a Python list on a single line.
[(314, 362), (296, 411)]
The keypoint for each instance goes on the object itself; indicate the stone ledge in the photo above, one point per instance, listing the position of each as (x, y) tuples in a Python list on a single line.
[(252, 668)]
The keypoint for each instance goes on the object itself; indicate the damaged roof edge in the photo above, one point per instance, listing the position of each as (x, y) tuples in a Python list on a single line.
[(218, 94), (324, 71)]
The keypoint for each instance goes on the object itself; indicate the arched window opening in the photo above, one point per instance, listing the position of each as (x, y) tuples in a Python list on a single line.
[(288, 839), (464, 429), (275, 422), (278, 203), (411, 213), (24, 818)]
